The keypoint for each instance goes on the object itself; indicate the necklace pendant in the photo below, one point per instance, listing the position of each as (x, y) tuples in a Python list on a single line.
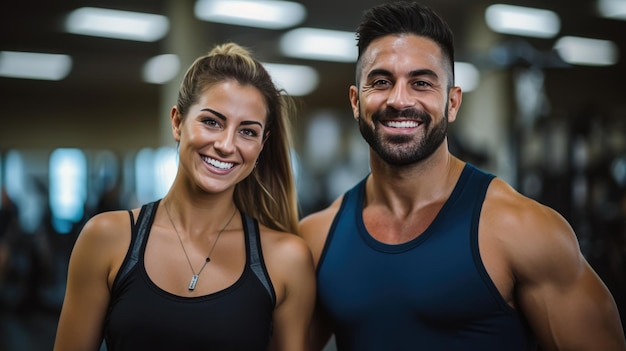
[(193, 282)]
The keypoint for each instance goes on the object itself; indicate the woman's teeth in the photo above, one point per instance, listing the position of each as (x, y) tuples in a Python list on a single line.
[(218, 164)]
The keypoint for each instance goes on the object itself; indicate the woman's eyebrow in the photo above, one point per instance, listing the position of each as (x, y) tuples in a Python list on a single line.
[(219, 115), (222, 117)]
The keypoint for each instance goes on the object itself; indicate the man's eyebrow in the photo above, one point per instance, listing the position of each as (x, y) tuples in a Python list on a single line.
[(414, 73), (222, 117), (378, 72), (423, 72)]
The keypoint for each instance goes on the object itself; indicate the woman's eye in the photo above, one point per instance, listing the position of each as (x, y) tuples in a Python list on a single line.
[(210, 122), (249, 132)]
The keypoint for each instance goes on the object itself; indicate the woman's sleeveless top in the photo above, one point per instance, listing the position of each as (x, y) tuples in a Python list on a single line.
[(142, 316)]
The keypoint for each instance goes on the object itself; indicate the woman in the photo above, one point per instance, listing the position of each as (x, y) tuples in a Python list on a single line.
[(212, 265)]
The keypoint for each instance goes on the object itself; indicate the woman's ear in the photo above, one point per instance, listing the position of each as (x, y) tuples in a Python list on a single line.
[(176, 121)]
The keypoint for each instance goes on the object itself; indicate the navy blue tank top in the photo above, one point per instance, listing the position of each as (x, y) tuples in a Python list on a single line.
[(431, 293), (142, 316)]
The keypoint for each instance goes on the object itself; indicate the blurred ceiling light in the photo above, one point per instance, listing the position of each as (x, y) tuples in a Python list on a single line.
[(296, 80), (586, 51), (32, 65), (271, 14), (523, 21), (612, 9), (67, 187), (117, 24), (319, 44), (466, 76), (161, 69)]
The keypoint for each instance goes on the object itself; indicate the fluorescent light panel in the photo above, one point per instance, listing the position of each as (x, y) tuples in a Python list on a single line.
[(30, 65), (612, 9), (296, 80), (586, 51), (161, 69), (261, 14), (523, 21), (319, 44), (117, 24)]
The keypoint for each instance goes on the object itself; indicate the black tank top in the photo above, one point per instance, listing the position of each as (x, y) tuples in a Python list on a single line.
[(142, 316)]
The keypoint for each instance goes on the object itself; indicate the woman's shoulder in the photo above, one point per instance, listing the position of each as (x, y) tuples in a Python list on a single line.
[(108, 223), (288, 261), (102, 245), (106, 232), (279, 240), (283, 247)]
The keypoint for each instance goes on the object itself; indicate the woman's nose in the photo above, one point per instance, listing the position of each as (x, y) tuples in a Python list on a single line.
[(225, 142)]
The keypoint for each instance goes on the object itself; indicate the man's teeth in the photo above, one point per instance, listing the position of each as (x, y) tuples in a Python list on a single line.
[(218, 164), (402, 124)]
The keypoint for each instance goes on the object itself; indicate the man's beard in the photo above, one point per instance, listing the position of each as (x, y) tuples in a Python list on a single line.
[(403, 150)]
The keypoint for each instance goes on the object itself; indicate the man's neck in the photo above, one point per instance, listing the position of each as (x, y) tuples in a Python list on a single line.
[(407, 187)]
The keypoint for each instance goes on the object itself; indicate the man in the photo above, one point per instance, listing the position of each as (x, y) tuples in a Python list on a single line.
[(428, 252)]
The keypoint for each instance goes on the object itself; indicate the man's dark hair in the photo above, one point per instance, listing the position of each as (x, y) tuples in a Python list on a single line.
[(405, 17)]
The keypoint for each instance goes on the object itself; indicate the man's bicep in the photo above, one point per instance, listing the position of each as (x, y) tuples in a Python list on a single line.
[(569, 307)]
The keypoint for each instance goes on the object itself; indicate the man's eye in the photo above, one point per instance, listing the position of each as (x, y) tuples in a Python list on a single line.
[(380, 83)]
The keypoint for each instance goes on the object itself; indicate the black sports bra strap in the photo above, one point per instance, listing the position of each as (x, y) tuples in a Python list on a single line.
[(132, 219), (252, 229), (139, 232)]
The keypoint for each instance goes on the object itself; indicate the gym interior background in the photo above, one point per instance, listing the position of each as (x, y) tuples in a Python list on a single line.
[(539, 110)]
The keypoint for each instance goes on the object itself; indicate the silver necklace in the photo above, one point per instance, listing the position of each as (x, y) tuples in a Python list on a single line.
[(195, 276)]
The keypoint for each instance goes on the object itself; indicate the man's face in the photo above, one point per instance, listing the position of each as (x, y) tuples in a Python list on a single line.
[(403, 104)]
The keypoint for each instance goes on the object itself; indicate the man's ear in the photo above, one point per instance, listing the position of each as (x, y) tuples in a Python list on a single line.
[(354, 101), (455, 96)]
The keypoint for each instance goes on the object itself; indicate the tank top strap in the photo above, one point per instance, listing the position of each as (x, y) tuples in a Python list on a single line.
[(139, 236), (255, 254)]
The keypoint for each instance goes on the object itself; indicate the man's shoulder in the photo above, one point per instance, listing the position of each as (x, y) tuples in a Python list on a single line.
[(503, 198), (314, 227), (322, 216), (521, 221)]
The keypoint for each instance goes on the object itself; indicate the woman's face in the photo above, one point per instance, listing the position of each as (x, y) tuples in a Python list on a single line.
[(221, 137)]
